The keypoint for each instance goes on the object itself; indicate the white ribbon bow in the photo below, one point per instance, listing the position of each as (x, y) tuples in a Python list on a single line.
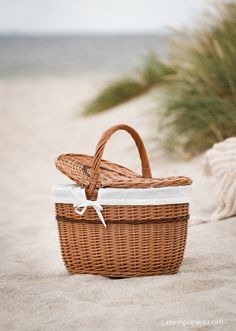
[(89, 203)]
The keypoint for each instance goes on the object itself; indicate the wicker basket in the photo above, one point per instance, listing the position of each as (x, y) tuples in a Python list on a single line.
[(139, 239)]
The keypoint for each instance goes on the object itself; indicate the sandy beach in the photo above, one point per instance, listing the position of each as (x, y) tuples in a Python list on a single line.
[(40, 119)]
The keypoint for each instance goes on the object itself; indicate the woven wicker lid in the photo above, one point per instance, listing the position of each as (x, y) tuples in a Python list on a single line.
[(93, 172)]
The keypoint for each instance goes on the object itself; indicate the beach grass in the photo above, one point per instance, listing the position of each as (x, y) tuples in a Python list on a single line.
[(200, 104), (114, 94), (153, 71)]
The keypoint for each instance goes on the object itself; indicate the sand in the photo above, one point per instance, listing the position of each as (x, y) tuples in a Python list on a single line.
[(40, 119)]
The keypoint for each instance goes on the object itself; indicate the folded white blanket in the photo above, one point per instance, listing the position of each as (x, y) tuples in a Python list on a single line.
[(220, 162)]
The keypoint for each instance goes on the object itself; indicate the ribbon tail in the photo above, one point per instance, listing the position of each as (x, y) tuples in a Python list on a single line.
[(101, 217)]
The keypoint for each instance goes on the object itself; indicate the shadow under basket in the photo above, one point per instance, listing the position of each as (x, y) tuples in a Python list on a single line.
[(145, 218)]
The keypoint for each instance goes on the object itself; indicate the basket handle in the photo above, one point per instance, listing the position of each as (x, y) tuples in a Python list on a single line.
[(146, 171)]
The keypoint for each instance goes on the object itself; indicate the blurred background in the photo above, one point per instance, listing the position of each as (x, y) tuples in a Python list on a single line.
[(107, 53), (71, 38)]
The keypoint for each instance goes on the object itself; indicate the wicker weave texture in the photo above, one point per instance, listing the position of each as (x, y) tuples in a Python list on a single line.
[(124, 213), (138, 240), (94, 172), (78, 168)]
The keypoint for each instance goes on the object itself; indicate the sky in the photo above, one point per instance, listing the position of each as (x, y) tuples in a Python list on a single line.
[(96, 16)]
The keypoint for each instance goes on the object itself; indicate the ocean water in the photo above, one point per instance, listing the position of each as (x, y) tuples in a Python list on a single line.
[(29, 56)]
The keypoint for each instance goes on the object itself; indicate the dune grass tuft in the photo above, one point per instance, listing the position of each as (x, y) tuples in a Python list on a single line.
[(200, 107), (155, 70), (200, 97), (115, 93), (152, 72)]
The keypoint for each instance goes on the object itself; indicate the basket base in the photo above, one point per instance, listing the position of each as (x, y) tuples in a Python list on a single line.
[(128, 276)]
